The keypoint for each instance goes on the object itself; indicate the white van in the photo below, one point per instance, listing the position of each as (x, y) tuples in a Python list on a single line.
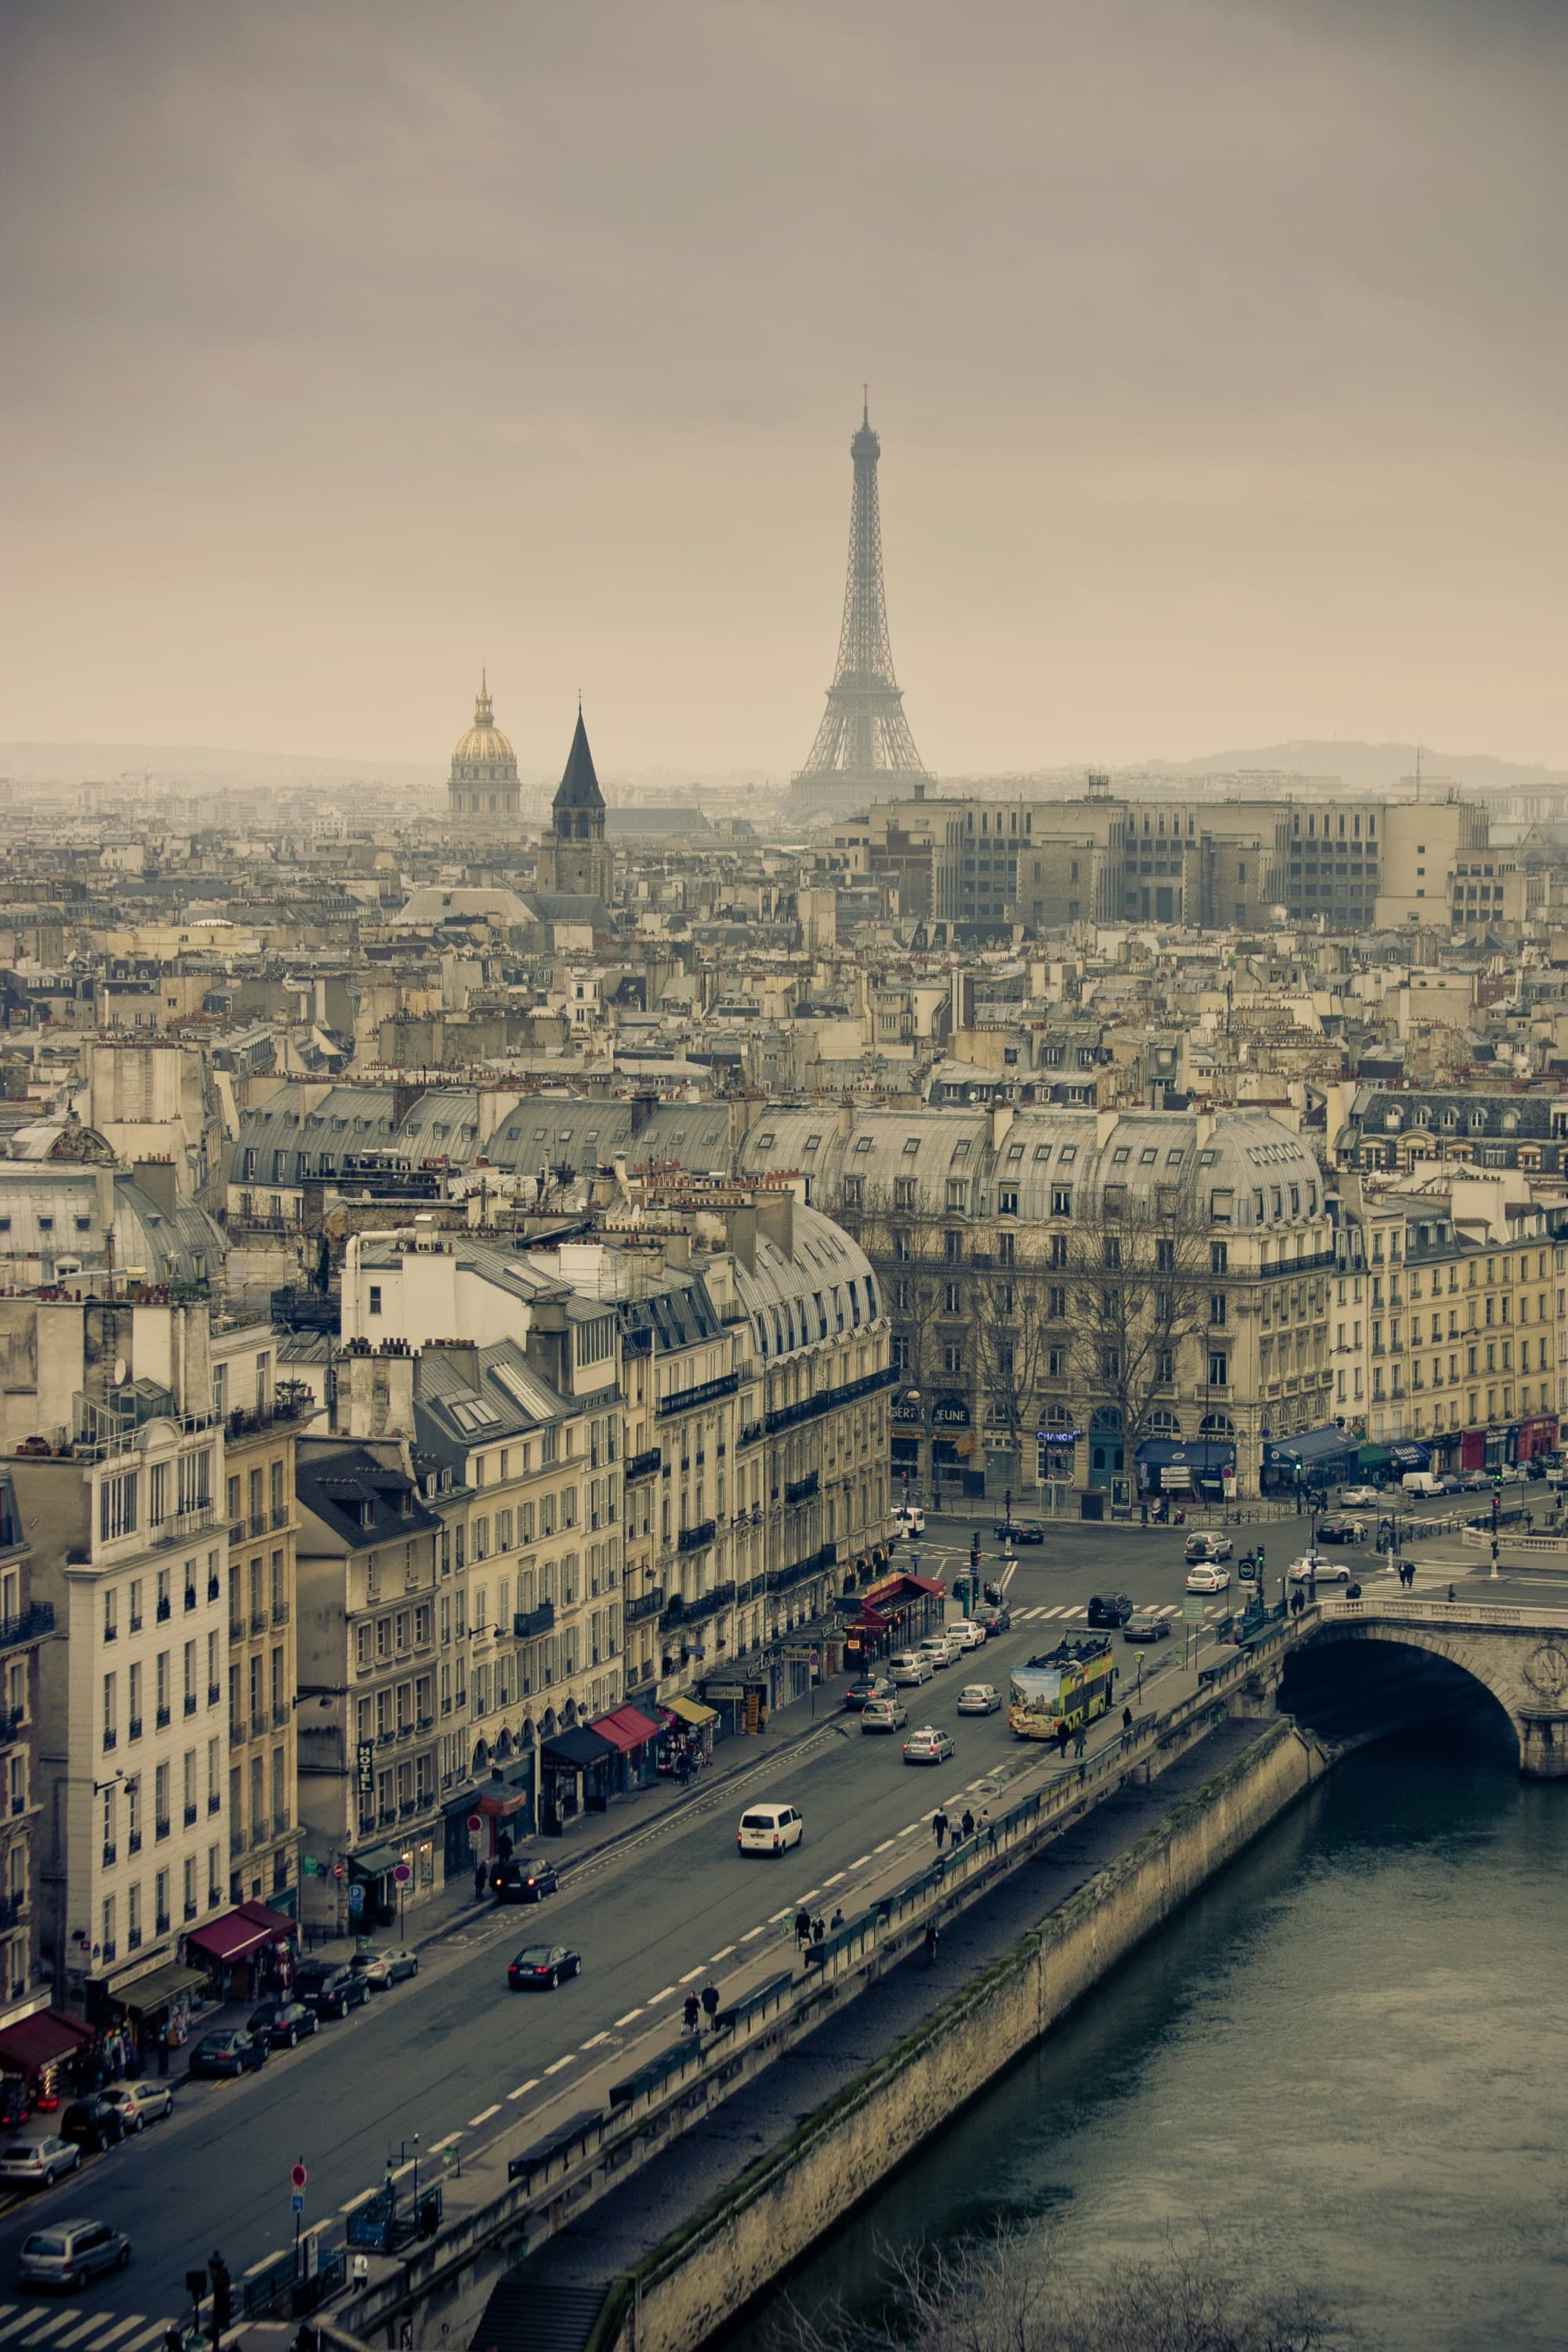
[(909, 1520), (770, 1829), (1422, 1481)]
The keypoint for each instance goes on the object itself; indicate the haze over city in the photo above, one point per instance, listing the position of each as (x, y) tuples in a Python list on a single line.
[(1217, 352)]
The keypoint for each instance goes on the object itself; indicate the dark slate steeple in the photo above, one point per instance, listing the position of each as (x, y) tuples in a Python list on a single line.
[(579, 793)]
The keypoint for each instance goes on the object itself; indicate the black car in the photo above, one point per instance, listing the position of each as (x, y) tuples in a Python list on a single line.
[(522, 1882), (234, 2052), (329, 1989), (995, 1617), (93, 2123), (1342, 1531), (1146, 1625), (1029, 1531), (1112, 1608), (284, 2024), (543, 1965)]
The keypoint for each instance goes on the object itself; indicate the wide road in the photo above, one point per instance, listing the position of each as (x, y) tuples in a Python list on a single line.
[(455, 2052)]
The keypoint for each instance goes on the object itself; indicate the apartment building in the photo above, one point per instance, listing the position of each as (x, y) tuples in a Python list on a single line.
[(24, 1624), (129, 1550), (368, 1556), (262, 1417), (1100, 1301)]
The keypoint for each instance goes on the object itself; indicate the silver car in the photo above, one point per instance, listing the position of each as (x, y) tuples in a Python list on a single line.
[(39, 2162), (71, 2252)]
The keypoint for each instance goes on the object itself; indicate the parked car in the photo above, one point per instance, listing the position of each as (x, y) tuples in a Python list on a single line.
[(1201, 1545), (928, 1746), (1207, 1576), (941, 1650), (232, 2053), (1021, 1531), (38, 2163), (1421, 1484), (1342, 1531), (770, 1829), (94, 2123), (1112, 1608), (1146, 1625), (394, 1961), (1361, 1498), (1475, 1482), (283, 2024), (142, 2103), (70, 2253), (909, 1520), (520, 1881), (1310, 1569), (1450, 1482), (910, 1666), (995, 1617), (978, 1698), (869, 1686), (330, 1988), (543, 1967), (967, 1631), (884, 1714)]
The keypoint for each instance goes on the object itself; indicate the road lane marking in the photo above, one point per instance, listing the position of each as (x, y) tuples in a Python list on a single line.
[(809, 1893), (690, 1975), (628, 2017), (483, 2117), (865, 1858), (36, 2334), (835, 1879), (523, 2088), (885, 1844), (722, 1956), (561, 2062), (82, 2327), (595, 2041), (1059, 1610), (355, 2202), (138, 2318), (148, 2335), (911, 1829), (1009, 1573), (752, 1933), (665, 1995), (450, 2141), (788, 1913)]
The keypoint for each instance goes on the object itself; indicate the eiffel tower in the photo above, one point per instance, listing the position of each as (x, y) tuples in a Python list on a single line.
[(864, 749)]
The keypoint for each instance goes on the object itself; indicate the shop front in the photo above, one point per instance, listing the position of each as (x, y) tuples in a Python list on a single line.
[(1178, 1466), (159, 2006), (687, 1728), (895, 1612), (1316, 1459), (576, 1775), (1409, 1455), (1536, 1437), (636, 1742), (37, 2053), (246, 1953)]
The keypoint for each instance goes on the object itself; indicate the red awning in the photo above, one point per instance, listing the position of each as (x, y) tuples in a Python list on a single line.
[(278, 1923), (933, 1585), (871, 1620), (240, 1933), (500, 1807), (39, 2040), (625, 1728)]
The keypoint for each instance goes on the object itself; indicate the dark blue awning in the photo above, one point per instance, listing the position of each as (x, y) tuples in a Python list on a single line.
[(1312, 1447), (1410, 1457), (1191, 1452)]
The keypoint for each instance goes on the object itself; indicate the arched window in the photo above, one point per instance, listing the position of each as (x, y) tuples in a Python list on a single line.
[(1106, 1420), (481, 1758), (1217, 1424), (1163, 1423)]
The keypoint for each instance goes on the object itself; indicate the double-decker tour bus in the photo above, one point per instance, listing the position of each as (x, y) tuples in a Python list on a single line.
[(1065, 1689)]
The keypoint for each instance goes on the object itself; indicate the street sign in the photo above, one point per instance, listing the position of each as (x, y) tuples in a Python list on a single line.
[(476, 1823), (297, 2175), (1193, 1607), (298, 2202), (401, 1874), (356, 1895), (309, 1864)]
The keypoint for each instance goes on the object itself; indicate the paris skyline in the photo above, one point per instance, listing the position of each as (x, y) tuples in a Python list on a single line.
[(1216, 354)]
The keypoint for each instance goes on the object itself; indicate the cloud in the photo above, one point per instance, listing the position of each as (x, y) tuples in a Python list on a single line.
[(1217, 349)]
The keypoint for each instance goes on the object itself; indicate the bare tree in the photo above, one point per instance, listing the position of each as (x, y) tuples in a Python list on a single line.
[(1138, 1278), (1019, 1339), (1016, 2293)]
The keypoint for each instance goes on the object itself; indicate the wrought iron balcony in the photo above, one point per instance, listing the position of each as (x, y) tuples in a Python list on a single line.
[(646, 1605), (644, 1465), (528, 1622), (694, 1538), (707, 1393), (801, 1490)]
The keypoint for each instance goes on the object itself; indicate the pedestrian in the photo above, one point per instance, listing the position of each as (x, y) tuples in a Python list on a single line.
[(481, 1873), (692, 2010), (988, 1827), (939, 1828), (1297, 1603), (1080, 1740), (710, 2002), (966, 1826), (172, 2340), (1450, 1593), (504, 1847), (1127, 1718), (1064, 1735), (803, 1929), (164, 2045), (836, 1921), (931, 1938), (817, 1930)]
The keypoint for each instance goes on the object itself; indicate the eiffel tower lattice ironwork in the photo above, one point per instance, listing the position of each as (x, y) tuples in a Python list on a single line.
[(864, 743)]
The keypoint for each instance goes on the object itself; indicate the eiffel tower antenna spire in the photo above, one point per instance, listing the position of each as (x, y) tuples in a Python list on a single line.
[(864, 749)]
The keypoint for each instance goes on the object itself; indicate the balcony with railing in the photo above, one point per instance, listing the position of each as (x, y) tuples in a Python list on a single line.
[(646, 1605), (787, 1416), (694, 1538), (780, 1580), (801, 1490), (691, 1399), (180, 1526), (29, 1625), (13, 1720), (644, 1465), (527, 1623), (695, 1612)]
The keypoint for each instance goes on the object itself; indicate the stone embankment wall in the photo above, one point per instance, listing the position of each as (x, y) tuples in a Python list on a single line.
[(772, 2214)]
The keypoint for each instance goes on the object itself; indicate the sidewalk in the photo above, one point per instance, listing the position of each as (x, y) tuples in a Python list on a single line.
[(453, 1907)]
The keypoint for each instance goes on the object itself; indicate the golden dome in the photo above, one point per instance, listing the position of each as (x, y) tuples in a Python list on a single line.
[(483, 745)]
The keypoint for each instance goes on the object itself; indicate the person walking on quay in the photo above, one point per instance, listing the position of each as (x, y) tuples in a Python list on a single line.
[(966, 1826), (693, 2012), (481, 1873), (988, 1827), (818, 1932), (939, 1828), (1063, 1737), (1080, 1740), (710, 2002), (836, 1921), (932, 1937), (803, 1929)]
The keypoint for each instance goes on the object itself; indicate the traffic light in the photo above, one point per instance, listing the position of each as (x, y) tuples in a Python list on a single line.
[(195, 2285), (223, 2295)]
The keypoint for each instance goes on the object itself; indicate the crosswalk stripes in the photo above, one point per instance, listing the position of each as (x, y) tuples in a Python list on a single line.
[(21, 2328)]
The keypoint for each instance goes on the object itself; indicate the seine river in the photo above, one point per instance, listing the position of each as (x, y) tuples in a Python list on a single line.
[(1348, 2058)]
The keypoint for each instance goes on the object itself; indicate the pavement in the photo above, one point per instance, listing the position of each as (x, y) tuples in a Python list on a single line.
[(453, 2071)]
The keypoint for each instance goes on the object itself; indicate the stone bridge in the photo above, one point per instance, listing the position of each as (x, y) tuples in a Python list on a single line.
[(1520, 1655)]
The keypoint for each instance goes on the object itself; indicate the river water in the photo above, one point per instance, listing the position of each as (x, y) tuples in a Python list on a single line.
[(1348, 2058)]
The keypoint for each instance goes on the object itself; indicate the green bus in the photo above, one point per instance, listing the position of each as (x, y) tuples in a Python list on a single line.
[(1062, 1691)]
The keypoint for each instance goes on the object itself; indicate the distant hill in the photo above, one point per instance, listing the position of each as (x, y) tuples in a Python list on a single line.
[(1365, 766)]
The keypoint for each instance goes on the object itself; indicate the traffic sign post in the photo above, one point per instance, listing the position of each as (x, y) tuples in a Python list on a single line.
[(297, 2177), (401, 1874)]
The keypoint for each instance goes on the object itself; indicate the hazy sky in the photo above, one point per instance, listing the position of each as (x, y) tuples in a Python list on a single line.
[(1218, 354)]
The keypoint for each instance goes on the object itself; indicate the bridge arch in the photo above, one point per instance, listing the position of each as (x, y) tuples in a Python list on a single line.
[(1518, 1658)]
